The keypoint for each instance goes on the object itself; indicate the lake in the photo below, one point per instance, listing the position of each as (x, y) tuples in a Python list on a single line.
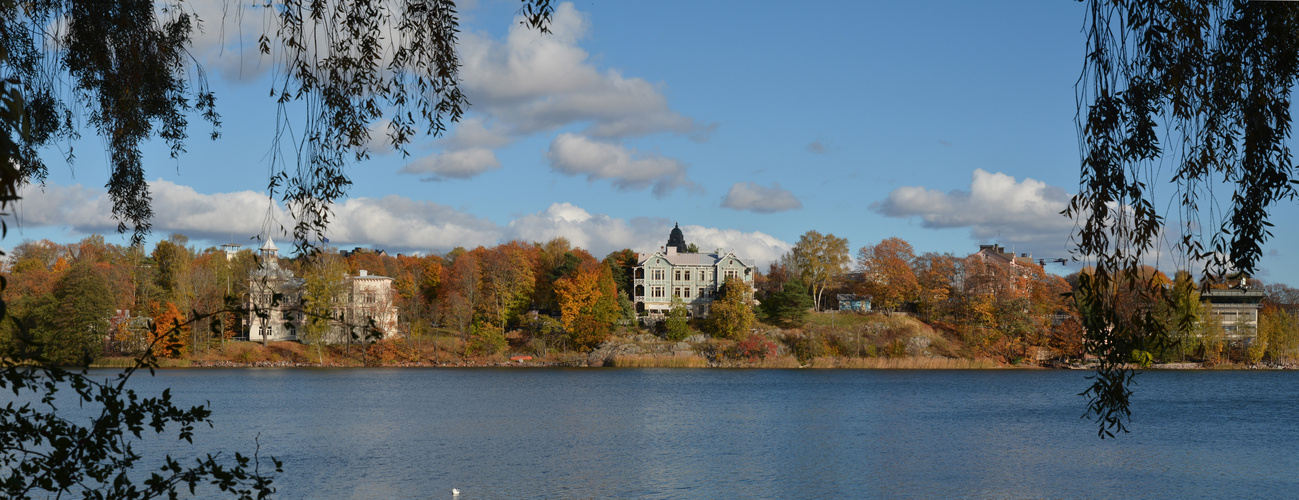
[(714, 433)]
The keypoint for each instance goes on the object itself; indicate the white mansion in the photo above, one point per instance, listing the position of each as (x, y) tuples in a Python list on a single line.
[(692, 277), (365, 298)]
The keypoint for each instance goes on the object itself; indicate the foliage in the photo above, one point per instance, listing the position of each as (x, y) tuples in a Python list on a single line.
[(818, 259), (588, 303), (754, 348), (731, 315), (1218, 76), (169, 334), (887, 273), (788, 307), (677, 325)]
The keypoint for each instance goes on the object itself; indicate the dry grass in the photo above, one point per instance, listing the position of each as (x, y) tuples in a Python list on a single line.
[(904, 363), (775, 362), (652, 361)]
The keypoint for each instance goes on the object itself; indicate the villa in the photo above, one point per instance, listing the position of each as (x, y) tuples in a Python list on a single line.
[(694, 278)]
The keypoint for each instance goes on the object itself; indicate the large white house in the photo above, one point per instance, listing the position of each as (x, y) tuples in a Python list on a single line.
[(692, 277), (274, 302)]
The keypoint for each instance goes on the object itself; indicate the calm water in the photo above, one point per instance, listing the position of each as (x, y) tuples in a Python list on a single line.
[(647, 433)]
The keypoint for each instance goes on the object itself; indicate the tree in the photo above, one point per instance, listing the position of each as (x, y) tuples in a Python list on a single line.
[(819, 260), (788, 307), (677, 324), (588, 303), (1217, 76), (886, 270), (937, 275), (731, 315), (324, 285)]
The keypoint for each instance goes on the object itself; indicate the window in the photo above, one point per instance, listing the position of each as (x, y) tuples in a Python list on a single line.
[(658, 274), (676, 291), (687, 275), (703, 292), (731, 273), (678, 275), (658, 291), (685, 292)]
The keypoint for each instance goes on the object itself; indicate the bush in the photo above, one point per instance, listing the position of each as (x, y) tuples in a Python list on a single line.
[(754, 348), (806, 347)]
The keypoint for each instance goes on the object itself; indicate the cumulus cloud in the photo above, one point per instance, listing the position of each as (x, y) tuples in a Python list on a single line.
[(602, 234), (996, 207), (765, 200), (394, 223), (455, 164), (575, 155), (534, 82)]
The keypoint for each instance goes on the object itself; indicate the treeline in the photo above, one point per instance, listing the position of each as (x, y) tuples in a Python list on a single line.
[(74, 302), (70, 303), (1007, 311)]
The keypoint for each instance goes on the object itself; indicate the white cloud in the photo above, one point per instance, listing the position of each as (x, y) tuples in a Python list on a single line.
[(576, 155), (393, 223), (534, 82), (996, 207), (455, 164), (754, 198), (601, 234)]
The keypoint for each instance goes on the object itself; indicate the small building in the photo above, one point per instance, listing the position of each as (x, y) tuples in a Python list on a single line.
[(1236, 311), (854, 302), (694, 278)]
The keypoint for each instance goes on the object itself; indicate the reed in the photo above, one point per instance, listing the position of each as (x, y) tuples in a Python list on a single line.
[(904, 363), (652, 361)]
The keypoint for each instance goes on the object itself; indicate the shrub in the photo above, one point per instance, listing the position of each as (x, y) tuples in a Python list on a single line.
[(754, 348)]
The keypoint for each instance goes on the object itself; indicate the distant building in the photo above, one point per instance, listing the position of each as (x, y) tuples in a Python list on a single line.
[(274, 299), (992, 269), (692, 277), (365, 299), (854, 302), (1236, 311)]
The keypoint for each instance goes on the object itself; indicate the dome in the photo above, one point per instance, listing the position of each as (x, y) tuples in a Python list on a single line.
[(677, 240)]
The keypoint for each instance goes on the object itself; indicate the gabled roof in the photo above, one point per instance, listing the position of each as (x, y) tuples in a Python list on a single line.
[(269, 245)]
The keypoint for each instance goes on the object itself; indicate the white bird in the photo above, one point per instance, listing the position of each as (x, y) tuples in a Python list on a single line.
[(455, 492)]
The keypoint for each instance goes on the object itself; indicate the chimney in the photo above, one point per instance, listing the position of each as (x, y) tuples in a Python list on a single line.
[(364, 273), (672, 250)]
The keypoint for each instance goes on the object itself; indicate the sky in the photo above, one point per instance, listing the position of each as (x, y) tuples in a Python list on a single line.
[(947, 124)]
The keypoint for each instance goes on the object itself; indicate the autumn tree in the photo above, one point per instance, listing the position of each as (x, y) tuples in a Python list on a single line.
[(731, 315), (324, 285), (588, 304), (819, 260), (887, 273), (937, 276), (507, 283)]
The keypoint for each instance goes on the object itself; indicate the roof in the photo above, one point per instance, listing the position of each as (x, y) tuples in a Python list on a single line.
[(269, 245), (689, 259)]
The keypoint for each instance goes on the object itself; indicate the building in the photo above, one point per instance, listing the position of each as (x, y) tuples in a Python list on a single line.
[(274, 299), (854, 302), (1236, 311), (692, 277), (993, 270), (274, 302)]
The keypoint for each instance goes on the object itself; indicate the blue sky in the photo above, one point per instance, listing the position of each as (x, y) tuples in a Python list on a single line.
[(948, 124)]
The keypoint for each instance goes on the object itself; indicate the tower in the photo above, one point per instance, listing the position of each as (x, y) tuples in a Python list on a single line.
[(677, 240)]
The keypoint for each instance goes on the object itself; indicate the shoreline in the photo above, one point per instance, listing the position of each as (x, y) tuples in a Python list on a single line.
[(1188, 366)]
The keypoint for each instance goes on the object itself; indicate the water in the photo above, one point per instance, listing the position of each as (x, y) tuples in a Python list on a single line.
[(709, 433)]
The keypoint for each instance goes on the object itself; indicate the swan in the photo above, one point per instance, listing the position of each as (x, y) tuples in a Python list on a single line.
[(455, 492)]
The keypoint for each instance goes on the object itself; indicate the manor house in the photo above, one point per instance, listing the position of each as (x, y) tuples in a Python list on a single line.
[(365, 300), (672, 272)]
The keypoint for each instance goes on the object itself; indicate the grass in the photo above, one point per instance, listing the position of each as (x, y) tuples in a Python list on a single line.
[(652, 361), (908, 363)]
